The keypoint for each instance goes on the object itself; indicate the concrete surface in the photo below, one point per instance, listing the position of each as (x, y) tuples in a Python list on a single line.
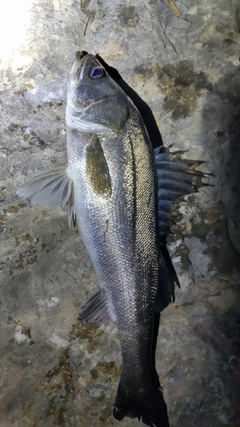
[(56, 371)]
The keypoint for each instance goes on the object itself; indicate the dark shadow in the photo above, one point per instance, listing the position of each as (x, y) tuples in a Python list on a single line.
[(228, 90), (223, 107), (143, 108)]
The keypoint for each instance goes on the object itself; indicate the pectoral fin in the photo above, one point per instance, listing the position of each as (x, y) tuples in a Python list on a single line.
[(97, 169), (51, 189)]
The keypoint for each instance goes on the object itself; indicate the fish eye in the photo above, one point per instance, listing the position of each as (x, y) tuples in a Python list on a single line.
[(97, 73)]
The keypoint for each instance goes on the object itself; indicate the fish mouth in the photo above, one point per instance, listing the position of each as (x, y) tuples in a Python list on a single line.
[(79, 55)]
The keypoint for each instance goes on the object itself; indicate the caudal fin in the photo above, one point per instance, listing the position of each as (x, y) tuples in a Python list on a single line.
[(145, 404)]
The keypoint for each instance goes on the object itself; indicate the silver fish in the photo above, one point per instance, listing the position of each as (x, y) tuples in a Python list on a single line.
[(120, 192)]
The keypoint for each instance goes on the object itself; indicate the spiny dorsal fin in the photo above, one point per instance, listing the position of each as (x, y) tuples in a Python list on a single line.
[(175, 179)]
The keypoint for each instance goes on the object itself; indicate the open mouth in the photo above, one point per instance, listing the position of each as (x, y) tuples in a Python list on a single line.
[(80, 54), (75, 69)]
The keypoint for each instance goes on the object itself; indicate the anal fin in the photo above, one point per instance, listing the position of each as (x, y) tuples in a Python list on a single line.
[(96, 309)]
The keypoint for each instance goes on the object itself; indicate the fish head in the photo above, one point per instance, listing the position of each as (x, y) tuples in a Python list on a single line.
[(95, 103)]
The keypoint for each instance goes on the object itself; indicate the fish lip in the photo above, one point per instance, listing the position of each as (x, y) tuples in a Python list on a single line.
[(80, 54)]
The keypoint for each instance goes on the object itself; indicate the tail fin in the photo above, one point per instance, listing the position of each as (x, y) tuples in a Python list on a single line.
[(146, 404)]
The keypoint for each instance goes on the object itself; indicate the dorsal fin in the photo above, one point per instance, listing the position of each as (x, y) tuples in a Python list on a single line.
[(175, 179)]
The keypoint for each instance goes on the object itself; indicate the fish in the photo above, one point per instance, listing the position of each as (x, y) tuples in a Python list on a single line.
[(120, 192)]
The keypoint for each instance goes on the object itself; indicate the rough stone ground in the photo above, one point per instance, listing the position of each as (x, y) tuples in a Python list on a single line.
[(56, 371)]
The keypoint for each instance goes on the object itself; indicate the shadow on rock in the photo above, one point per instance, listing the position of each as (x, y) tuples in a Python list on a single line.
[(222, 110), (142, 106), (223, 107)]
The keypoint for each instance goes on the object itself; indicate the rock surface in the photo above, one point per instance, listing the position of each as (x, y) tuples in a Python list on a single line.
[(56, 371)]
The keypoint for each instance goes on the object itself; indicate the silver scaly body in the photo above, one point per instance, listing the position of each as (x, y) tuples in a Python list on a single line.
[(120, 232)]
